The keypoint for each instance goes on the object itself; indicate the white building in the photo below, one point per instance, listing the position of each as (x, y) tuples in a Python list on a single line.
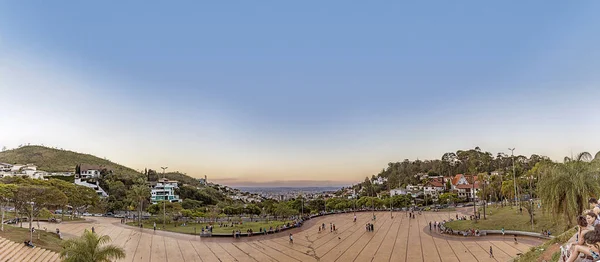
[(4, 167), (433, 188), (96, 187), (379, 180), (414, 188), (90, 173), (398, 191), (164, 190)]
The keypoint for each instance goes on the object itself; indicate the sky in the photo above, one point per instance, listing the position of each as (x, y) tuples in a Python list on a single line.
[(306, 93)]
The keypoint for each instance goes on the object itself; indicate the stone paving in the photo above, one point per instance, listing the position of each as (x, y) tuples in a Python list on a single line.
[(394, 239)]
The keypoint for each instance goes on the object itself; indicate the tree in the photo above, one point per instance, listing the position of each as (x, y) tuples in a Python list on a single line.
[(566, 187), (138, 195), (78, 197), (91, 247), (37, 197), (448, 198), (3, 148), (7, 192)]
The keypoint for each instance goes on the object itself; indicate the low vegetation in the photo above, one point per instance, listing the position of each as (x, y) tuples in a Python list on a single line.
[(46, 240), (196, 228), (511, 219)]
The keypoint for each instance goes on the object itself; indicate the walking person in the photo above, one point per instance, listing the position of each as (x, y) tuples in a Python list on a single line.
[(429, 225), (154, 226), (291, 239), (93, 230), (515, 237), (491, 252)]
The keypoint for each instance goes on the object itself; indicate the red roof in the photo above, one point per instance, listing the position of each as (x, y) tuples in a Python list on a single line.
[(435, 183), (456, 178)]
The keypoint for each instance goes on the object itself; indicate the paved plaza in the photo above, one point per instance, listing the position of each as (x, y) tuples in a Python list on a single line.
[(393, 239)]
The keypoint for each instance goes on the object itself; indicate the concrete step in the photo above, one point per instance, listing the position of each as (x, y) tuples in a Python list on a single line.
[(54, 257), (15, 250), (40, 256), (30, 256), (46, 257), (6, 250), (24, 253)]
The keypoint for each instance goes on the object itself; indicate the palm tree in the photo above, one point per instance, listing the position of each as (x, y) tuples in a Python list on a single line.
[(138, 194), (566, 187), (91, 247)]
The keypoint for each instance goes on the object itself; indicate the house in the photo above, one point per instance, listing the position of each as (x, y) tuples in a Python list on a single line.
[(101, 193), (398, 191), (4, 167), (90, 173), (434, 187), (87, 171), (463, 188), (379, 180), (203, 181), (164, 189), (414, 188)]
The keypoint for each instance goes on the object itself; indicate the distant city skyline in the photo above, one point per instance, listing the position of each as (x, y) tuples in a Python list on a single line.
[(299, 94)]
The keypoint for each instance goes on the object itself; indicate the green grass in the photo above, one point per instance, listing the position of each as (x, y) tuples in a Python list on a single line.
[(47, 240), (189, 228), (535, 252), (511, 219)]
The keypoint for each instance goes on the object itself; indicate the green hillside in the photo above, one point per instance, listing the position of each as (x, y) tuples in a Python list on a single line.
[(56, 160)]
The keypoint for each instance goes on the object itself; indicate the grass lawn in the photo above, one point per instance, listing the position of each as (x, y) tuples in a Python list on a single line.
[(511, 219), (189, 228), (47, 240)]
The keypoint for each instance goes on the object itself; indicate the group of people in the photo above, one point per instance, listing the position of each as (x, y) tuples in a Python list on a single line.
[(586, 241), (369, 227)]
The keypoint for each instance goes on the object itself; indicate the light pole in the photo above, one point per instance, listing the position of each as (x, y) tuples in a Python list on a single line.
[(164, 202), (512, 154), (31, 224)]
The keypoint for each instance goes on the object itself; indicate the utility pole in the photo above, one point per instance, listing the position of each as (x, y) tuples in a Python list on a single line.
[(30, 225), (474, 203), (484, 198), (512, 154), (164, 202)]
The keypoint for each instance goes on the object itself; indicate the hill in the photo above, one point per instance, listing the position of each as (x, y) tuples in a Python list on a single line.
[(57, 160)]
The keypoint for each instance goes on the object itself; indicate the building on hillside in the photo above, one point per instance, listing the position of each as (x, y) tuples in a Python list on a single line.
[(87, 171), (402, 191), (414, 187), (203, 181), (101, 193), (463, 188), (4, 167), (162, 190), (497, 173), (379, 180), (433, 188), (90, 173)]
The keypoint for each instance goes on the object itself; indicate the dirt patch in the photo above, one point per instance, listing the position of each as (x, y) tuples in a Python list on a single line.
[(547, 255)]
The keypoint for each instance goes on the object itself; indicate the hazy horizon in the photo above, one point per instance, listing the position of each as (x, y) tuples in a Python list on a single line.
[(305, 93)]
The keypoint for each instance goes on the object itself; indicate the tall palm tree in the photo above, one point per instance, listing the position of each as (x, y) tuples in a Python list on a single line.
[(91, 247), (138, 194), (566, 187)]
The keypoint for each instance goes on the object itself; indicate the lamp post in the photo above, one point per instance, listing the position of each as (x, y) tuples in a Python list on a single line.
[(31, 224), (512, 154), (164, 202)]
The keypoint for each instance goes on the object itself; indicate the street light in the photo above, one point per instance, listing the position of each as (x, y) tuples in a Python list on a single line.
[(512, 151), (31, 224), (165, 201)]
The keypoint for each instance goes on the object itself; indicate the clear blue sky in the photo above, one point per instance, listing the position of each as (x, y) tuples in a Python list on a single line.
[(315, 90)]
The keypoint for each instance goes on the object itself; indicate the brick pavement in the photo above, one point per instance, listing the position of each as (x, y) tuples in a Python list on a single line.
[(394, 239)]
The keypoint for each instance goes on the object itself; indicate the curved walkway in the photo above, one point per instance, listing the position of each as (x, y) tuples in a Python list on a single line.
[(394, 239)]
